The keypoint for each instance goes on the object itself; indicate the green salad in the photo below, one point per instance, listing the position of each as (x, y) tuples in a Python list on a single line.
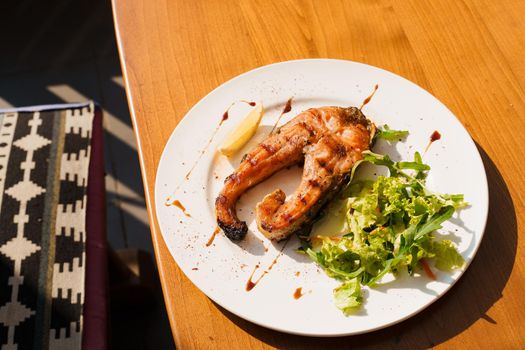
[(382, 226)]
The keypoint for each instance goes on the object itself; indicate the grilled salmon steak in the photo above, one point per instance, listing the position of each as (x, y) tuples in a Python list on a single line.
[(328, 139)]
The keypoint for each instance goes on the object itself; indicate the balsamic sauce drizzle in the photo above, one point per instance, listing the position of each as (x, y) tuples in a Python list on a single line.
[(433, 138), (224, 117), (251, 284), (287, 108), (210, 241), (177, 204), (369, 97), (298, 293)]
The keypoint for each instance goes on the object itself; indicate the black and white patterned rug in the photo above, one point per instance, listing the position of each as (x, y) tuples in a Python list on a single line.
[(44, 161)]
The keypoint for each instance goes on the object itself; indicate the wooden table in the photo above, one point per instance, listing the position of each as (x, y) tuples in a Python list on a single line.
[(468, 53)]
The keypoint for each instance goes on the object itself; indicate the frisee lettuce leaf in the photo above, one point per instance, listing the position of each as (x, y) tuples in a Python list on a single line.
[(447, 256), (347, 297)]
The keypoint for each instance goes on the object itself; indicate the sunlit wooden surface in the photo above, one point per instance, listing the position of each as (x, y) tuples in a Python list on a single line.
[(468, 53)]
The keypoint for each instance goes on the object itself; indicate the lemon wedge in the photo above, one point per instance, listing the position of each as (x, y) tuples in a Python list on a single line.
[(243, 132)]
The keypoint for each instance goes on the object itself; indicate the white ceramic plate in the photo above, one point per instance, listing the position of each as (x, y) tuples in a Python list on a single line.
[(223, 269)]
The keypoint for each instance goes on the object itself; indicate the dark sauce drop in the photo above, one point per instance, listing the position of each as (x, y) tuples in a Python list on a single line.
[(288, 106), (435, 136), (298, 293), (225, 116), (251, 284), (251, 103)]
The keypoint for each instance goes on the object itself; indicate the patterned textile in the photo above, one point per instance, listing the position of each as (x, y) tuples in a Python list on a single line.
[(44, 160)]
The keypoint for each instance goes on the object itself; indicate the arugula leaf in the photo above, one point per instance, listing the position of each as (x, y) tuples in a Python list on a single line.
[(390, 135), (412, 165), (378, 159), (434, 223)]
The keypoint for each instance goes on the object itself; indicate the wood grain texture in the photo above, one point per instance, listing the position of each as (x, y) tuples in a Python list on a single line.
[(468, 53)]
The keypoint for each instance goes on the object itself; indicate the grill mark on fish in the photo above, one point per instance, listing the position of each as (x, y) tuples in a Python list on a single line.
[(232, 178), (251, 160), (287, 216), (220, 199), (268, 148), (313, 183), (310, 130), (340, 150), (267, 227)]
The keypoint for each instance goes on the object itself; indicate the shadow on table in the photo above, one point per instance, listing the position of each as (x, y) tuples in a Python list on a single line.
[(469, 300)]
